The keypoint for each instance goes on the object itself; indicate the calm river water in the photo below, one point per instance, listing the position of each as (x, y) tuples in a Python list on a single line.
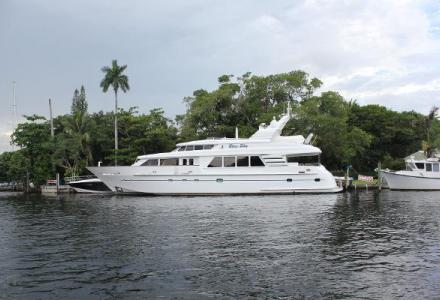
[(368, 245)]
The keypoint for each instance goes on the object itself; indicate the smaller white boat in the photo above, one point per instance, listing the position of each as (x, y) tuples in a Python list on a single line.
[(422, 173), (87, 184)]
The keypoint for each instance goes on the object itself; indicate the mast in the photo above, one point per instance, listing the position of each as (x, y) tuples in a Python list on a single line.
[(14, 110), (14, 104)]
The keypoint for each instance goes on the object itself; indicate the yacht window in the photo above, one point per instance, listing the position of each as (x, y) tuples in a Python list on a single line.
[(198, 147), (420, 166), (242, 161), (184, 162), (435, 167), (256, 161), (304, 160), (151, 162), (429, 167), (169, 162), (191, 162), (190, 148), (207, 147), (216, 162), (182, 148), (229, 161)]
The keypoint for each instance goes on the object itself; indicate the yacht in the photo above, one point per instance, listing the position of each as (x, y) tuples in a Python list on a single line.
[(87, 184), (265, 163), (422, 173)]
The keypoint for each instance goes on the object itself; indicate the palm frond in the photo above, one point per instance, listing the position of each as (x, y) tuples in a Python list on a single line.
[(433, 113)]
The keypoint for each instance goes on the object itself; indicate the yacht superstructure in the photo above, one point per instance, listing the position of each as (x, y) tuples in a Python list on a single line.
[(265, 163)]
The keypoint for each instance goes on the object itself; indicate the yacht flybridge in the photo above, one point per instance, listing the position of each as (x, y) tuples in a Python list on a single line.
[(265, 163)]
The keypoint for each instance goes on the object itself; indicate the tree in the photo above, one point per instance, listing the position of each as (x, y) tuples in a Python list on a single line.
[(72, 147), (113, 77), (245, 103), (327, 116), (395, 135), (79, 102), (33, 137), (13, 166), (428, 146)]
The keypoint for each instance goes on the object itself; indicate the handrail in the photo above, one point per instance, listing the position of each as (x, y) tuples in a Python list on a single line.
[(76, 178)]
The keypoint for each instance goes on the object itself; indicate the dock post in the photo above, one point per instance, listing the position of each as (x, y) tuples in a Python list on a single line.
[(347, 182)]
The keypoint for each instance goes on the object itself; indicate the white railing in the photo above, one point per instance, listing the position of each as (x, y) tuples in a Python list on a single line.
[(76, 178)]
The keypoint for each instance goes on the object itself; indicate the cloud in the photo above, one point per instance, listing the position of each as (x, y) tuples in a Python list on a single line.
[(376, 52)]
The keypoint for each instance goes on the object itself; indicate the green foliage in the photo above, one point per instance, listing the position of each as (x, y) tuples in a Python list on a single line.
[(33, 137), (346, 132), (113, 77), (245, 103), (79, 102), (395, 135), (144, 134), (327, 116), (13, 166)]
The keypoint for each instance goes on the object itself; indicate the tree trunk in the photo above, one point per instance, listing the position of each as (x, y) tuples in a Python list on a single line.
[(116, 127)]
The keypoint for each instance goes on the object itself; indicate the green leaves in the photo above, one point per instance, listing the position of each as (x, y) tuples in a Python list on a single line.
[(346, 132), (113, 77)]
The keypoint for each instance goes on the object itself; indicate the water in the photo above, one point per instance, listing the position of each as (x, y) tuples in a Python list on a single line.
[(347, 246)]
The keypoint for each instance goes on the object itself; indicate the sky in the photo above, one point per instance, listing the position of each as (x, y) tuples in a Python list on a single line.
[(375, 52)]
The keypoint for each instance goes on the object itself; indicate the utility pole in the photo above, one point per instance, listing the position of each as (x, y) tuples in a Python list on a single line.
[(52, 132)]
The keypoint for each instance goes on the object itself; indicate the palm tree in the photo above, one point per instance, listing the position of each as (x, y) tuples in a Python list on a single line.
[(114, 78), (428, 146)]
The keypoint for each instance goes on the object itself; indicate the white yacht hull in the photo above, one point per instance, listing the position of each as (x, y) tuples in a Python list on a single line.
[(184, 181), (405, 181)]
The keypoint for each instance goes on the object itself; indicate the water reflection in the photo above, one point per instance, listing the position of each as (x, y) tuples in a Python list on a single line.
[(364, 245)]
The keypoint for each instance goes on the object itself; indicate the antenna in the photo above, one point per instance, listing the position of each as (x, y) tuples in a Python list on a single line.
[(14, 110)]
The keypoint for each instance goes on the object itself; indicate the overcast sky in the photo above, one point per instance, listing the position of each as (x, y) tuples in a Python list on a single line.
[(384, 52)]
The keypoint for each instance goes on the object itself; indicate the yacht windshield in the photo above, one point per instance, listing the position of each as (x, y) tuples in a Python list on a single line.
[(313, 160)]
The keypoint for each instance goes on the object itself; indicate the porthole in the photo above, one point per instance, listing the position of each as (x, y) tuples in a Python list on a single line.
[(317, 179), (289, 179), (219, 180)]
